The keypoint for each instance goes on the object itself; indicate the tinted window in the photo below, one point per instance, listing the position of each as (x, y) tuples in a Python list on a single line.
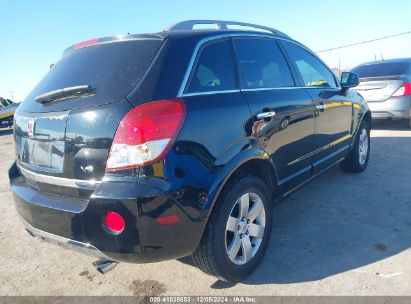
[(214, 70), (262, 64), (381, 69), (111, 69), (313, 72)]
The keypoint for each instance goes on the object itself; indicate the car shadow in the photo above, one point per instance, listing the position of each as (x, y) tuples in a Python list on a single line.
[(400, 125), (4, 132), (340, 221)]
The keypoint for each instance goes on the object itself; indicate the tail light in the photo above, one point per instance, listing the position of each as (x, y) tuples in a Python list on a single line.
[(403, 90), (146, 133)]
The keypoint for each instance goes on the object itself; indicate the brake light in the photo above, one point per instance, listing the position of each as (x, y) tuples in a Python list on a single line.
[(403, 90), (86, 43), (145, 134)]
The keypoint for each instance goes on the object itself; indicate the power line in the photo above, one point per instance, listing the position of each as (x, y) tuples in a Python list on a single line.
[(363, 42)]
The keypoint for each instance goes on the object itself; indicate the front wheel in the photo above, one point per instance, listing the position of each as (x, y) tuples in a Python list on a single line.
[(357, 159), (238, 231)]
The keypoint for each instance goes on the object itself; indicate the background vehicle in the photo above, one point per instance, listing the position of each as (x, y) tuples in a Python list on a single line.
[(142, 148), (386, 86), (7, 109)]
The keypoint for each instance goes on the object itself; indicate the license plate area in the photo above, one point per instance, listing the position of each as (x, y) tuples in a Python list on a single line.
[(40, 141), (43, 155)]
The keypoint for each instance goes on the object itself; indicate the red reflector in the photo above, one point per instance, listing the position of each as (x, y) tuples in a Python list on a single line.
[(85, 43), (168, 219), (115, 222)]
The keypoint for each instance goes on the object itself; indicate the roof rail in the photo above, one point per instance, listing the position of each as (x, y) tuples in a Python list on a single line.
[(221, 25)]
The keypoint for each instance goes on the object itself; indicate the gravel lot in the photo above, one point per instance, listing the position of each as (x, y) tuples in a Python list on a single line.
[(342, 234)]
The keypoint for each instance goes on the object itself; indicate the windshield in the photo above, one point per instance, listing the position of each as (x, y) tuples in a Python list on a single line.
[(381, 69), (111, 70)]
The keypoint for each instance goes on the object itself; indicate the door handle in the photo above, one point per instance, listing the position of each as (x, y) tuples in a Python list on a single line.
[(265, 115)]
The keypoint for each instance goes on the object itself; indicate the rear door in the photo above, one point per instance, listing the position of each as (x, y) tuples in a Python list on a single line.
[(333, 110), (217, 113), (282, 113)]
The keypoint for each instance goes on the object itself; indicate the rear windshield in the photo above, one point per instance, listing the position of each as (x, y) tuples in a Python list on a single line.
[(112, 70), (381, 69)]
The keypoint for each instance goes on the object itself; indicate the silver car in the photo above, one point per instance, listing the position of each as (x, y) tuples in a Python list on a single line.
[(386, 86)]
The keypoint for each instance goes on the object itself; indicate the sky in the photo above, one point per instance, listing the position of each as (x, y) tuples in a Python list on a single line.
[(34, 33)]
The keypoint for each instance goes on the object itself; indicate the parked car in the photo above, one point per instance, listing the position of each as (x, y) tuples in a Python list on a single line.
[(7, 109), (144, 148), (386, 86)]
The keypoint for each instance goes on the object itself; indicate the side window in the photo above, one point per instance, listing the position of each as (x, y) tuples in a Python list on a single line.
[(312, 71), (214, 70), (262, 64)]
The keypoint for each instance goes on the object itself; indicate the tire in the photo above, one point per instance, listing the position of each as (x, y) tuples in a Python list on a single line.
[(357, 158), (225, 231)]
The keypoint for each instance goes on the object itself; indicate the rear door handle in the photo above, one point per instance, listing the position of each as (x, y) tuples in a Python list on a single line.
[(265, 115)]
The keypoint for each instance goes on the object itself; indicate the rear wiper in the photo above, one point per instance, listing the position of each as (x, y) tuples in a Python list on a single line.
[(63, 93)]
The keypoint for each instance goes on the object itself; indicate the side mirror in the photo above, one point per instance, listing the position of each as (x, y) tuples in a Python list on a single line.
[(349, 80)]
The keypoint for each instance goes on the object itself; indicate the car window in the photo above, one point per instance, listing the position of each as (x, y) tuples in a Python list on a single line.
[(214, 70), (381, 69), (312, 71), (111, 69), (262, 64)]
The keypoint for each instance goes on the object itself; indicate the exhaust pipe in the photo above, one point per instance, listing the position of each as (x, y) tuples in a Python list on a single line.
[(104, 266)]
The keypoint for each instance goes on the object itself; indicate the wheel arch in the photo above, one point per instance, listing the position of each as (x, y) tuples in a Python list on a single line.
[(255, 163), (363, 114)]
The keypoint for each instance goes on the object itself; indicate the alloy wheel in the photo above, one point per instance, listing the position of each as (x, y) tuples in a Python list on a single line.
[(245, 228), (363, 147)]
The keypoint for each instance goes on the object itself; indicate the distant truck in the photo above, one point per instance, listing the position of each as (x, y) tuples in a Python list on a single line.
[(7, 109)]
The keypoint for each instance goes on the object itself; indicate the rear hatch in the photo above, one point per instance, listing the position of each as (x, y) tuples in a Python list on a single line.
[(67, 133), (379, 81)]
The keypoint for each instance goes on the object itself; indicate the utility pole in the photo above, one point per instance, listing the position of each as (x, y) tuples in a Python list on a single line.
[(12, 95)]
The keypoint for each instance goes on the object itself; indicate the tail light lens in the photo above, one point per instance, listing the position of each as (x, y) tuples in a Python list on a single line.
[(146, 133), (404, 90)]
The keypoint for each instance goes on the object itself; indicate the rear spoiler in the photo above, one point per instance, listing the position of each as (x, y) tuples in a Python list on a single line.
[(118, 38)]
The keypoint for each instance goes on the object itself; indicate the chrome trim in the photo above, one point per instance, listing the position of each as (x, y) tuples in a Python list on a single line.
[(321, 149), (256, 35), (59, 181), (265, 115), (84, 248), (270, 89), (192, 60), (211, 92)]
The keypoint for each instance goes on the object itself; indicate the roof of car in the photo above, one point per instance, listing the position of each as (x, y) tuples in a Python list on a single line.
[(185, 29), (387, 61)]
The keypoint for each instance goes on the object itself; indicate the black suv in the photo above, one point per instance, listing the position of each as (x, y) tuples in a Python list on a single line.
[(142, 148)]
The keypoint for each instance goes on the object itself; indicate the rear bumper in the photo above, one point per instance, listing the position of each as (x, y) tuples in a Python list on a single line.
[(80, 247), (395, 108), (78, 223)]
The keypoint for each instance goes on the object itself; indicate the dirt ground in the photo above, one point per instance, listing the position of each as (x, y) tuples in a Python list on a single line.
[(341, 234)]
